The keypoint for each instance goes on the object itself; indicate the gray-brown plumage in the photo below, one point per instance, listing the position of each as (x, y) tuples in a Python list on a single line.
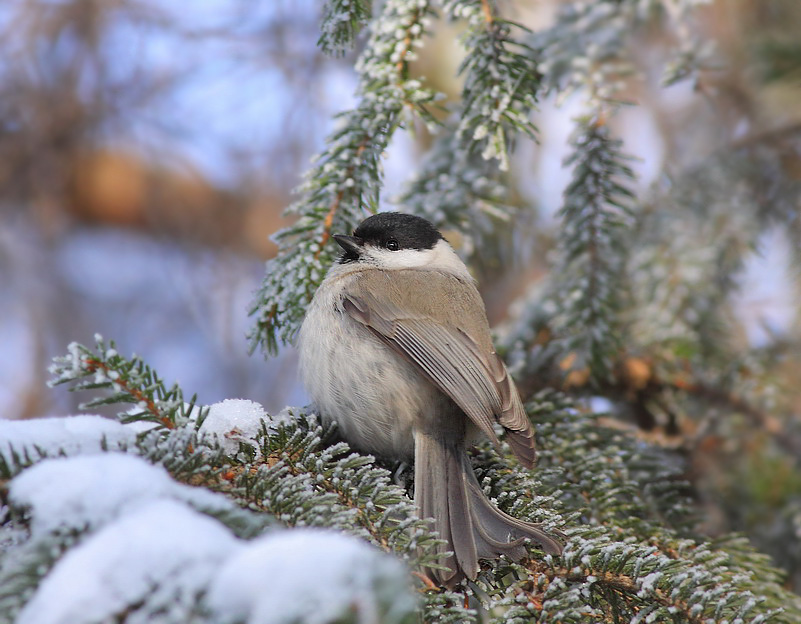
[(428, 380)]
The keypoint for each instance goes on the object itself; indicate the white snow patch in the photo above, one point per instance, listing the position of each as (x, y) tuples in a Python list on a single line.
[(648, 583), (92, 490), (289, 415), (234, 421), (71, 435), (311, 576), (162, 556)]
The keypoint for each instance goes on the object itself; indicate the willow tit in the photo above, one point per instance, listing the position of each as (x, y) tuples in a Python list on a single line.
[(396, 349)]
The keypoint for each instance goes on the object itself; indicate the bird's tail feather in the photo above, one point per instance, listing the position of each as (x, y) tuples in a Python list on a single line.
[(446, 489)]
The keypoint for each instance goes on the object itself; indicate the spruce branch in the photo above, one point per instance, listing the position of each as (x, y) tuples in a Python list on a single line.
[(501, 81), (632, 549), (301, 482), (640, 583), (459, 186), (631, 556), (691, 54), (569, 330), (341, 23), (25, 566), (344, 183), (587, 48), (606, 475), (129, 380), (592, 249)]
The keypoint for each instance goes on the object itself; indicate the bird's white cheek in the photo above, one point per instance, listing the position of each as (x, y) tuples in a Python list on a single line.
[(440, 257), (403, 259)]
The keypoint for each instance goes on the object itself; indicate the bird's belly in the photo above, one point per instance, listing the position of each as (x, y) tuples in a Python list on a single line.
[(375, 396)]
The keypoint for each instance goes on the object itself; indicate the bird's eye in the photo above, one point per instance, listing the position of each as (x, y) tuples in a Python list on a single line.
[(393, 245)]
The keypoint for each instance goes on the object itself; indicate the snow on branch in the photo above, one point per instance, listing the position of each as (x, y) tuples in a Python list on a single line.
[(632, 553), (113, 538), (587, 47), (342, 21)]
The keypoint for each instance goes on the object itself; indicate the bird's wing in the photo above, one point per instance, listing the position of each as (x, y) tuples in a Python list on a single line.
[(454, 352)]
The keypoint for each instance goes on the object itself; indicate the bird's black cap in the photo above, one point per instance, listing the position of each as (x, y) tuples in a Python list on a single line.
[(390, 230), (409, 231)]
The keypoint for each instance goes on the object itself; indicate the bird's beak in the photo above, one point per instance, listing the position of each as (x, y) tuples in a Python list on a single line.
[(351, 244)]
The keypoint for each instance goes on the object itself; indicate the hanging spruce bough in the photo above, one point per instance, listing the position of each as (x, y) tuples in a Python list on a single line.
[(342, 21), (459, 185), (501, 84), (344, 183), (590, 285), (501, 81), (587, 47)]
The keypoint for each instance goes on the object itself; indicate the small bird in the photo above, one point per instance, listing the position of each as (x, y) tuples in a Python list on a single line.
[(395, 349)]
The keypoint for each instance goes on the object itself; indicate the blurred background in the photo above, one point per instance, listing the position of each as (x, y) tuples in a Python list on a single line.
[(147, 151), (149, 147)]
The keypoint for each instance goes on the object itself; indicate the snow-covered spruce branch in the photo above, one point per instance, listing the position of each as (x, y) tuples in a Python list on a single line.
[(294, 478), (632, 549), (341, 23), (287, 472), (587, 47), (606, 475), (128, 380), (642, 584), (303, 483), (592, 249), (345, 180), (146, 548), (501, 81), (627, 557)]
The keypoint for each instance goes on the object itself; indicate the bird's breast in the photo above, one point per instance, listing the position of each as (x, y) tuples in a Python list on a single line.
[(374, 395)]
